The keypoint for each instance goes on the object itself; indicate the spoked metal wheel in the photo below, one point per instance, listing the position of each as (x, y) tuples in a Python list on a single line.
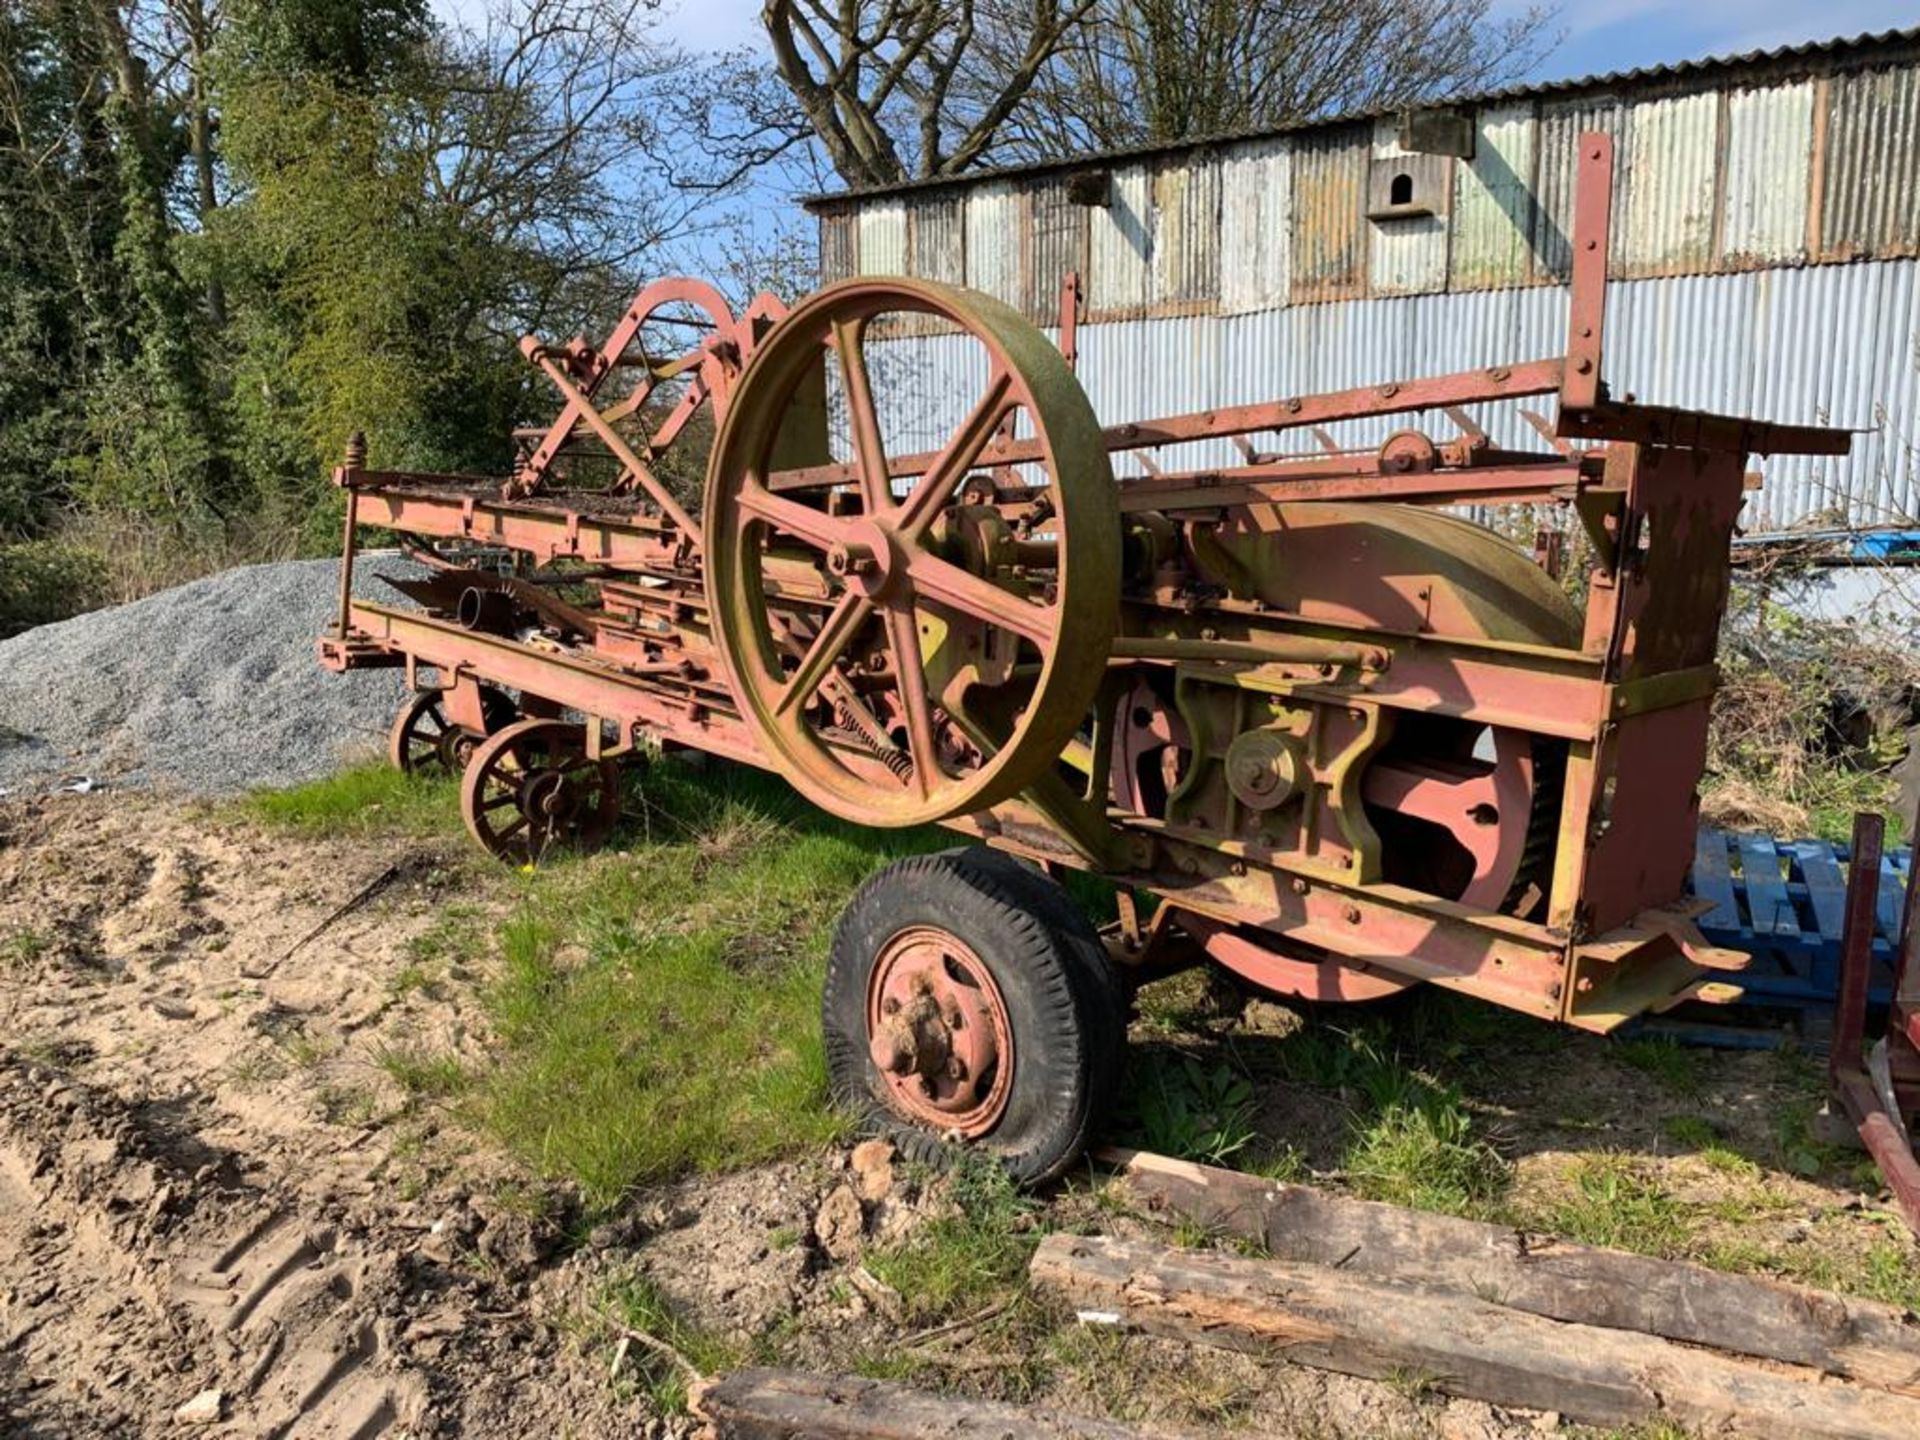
[(908, 657), (532, 790), (423, 741)]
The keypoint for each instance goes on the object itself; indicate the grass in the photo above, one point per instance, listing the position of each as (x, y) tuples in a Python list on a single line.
[(362, 800), (657, 1008), (22, 948), (1182, 1106), (1426, 1157), (968, 1259), (422, 1074), (1677, 1069), (661, 1345), (1612, 1200)]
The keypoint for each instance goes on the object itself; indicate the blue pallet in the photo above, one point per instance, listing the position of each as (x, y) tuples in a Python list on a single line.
[(1785, 903)]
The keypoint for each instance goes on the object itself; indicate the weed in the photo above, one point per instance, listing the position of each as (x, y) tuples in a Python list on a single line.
[(1675, 1067), (661, 1345), (22, 948), (971, 1257), (1690, 1131), (1729, 1162), (422, 1074), (1178, 1105), (1413, 1384), (347, 1105), (1611, 1201), (1426, 1157)]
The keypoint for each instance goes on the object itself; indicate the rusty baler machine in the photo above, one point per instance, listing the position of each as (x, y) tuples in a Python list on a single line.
[(1312, 724)]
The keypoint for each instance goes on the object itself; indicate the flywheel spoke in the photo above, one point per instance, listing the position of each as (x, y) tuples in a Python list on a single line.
[(938, 487), (962, 590), (827, 647), (817, 529), (904, 640), (870, 451)]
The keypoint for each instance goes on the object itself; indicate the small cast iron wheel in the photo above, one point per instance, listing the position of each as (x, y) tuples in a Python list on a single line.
[(531, 790), (424, 742), (955, 1014), (906, 658)]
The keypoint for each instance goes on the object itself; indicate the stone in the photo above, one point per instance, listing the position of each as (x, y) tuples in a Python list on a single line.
[(873, 1169), (203, 1409), (840, 1224)]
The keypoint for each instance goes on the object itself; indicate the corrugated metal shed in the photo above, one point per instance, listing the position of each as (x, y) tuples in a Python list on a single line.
[(1766, 228), (1769, 169), (1329, 248), (1872, 200)]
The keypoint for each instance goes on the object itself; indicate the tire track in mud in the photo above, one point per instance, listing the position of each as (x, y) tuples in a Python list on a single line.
[(153, 1273)]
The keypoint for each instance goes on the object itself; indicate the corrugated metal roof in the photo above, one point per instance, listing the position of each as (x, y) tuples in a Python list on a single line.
[(1863, 49)]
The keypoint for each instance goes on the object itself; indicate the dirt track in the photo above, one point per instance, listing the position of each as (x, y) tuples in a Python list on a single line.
[(194, 1191)]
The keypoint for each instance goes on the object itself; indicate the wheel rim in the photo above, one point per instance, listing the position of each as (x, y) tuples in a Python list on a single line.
[(927, 675), (939, 1032), (532, 789), (424, 742)]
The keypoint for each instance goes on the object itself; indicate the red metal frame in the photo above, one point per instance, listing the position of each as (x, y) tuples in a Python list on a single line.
[(1879, 1086), (1624, 705)]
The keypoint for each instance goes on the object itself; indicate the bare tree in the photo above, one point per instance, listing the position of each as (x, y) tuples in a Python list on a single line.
[(1157, 71), (906, 89)]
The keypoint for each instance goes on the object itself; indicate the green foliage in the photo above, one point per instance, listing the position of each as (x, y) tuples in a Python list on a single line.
[(656, 1344), (1178, 1105), (42, 581), (230, 235), (1674, 1066), (1427, 1157), (1612, 1200), (968, 1258)]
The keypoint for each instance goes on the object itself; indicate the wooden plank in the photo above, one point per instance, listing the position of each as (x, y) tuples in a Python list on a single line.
[(1713, 880), (1826, 887), (1334, 1320), (786, 1405), (1767, 899), (1871, 1343)]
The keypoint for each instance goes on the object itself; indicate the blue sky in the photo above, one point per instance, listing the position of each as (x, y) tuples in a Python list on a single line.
[(1606, 35), (1600, 35)]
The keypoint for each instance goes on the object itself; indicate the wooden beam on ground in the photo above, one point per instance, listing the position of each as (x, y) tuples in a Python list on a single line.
[(1865, 1341), (784, 1405), (1457, 1344)]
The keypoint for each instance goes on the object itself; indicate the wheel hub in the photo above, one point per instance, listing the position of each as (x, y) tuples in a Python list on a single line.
[(939, 1032), (548, 796)]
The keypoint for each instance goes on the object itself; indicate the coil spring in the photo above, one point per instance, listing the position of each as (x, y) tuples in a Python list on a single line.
[(892, 756)]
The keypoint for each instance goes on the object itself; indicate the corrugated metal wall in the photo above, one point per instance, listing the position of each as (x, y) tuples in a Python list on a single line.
[(1764, 230)]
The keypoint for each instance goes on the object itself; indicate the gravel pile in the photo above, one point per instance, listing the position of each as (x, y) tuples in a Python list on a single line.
[(208, 688)]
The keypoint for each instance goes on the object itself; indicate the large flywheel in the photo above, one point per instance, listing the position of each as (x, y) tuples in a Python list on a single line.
[(914, 632)]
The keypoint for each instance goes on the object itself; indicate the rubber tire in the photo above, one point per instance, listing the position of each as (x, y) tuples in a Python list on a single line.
[(1108, 993), (1051, 1107)]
